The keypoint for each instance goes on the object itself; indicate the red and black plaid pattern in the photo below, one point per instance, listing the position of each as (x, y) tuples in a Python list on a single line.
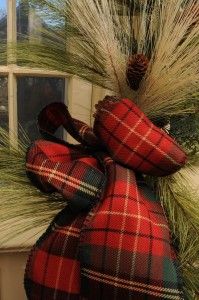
[(55, 115), (115, 244), (55, 167), (126, 251), (133, 140), (53, 267)]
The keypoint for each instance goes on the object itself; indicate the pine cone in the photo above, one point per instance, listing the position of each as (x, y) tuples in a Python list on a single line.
[(136, 69)]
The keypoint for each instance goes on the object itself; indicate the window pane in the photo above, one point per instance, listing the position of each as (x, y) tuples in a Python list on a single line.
[(4, 102), (22, 18), (33, 94), (30, 20), (3, 20)]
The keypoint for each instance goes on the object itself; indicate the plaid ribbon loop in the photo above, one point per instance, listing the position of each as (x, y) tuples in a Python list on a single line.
[(133, 140), (115, 242), (55, 115)]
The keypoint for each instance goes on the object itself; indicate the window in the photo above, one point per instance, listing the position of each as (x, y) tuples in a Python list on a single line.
[(25, 91), (33, 94), (3, 19), (3, 102)]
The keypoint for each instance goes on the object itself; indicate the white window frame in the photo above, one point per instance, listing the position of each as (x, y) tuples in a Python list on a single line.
[(80, 96), (12, 71)]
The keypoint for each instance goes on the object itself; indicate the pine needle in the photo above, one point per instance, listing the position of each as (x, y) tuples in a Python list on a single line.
[(94, 39), (22, 206), (173, 74), (181, 204), (185, 129)]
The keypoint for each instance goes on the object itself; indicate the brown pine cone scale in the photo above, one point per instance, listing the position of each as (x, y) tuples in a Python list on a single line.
[(136, 69)]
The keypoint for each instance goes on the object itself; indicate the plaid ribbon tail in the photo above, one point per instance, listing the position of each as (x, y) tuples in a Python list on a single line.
[(53, 267), (126, 250)]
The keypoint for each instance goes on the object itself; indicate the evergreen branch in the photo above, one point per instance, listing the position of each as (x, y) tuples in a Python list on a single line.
[(94, 39), (181, 205), (173, 74), (22, 206)]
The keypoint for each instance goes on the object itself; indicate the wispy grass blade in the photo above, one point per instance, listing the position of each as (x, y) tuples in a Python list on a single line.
[(19, 199), (94, 39), (181, 203)]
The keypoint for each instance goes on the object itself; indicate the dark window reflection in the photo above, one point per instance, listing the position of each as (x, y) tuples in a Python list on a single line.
[(33, 94), (3, 23), (4, 102), (29, 20), (3, 20), (22, 17)]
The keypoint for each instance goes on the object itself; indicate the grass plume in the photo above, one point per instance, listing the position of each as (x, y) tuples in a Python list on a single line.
[(21, 204)]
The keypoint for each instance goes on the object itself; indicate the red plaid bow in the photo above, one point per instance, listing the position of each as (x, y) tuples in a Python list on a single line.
[(118, 245)]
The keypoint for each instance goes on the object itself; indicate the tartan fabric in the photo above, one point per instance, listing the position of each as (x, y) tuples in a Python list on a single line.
[(133, 140), (114, 244), (53, 267), (54, 167), (126, 252), (55, 115)]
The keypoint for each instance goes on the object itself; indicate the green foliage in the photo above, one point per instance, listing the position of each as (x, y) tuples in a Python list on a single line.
[(23, 205), (181, 204), (185, 129), (94, 39)]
